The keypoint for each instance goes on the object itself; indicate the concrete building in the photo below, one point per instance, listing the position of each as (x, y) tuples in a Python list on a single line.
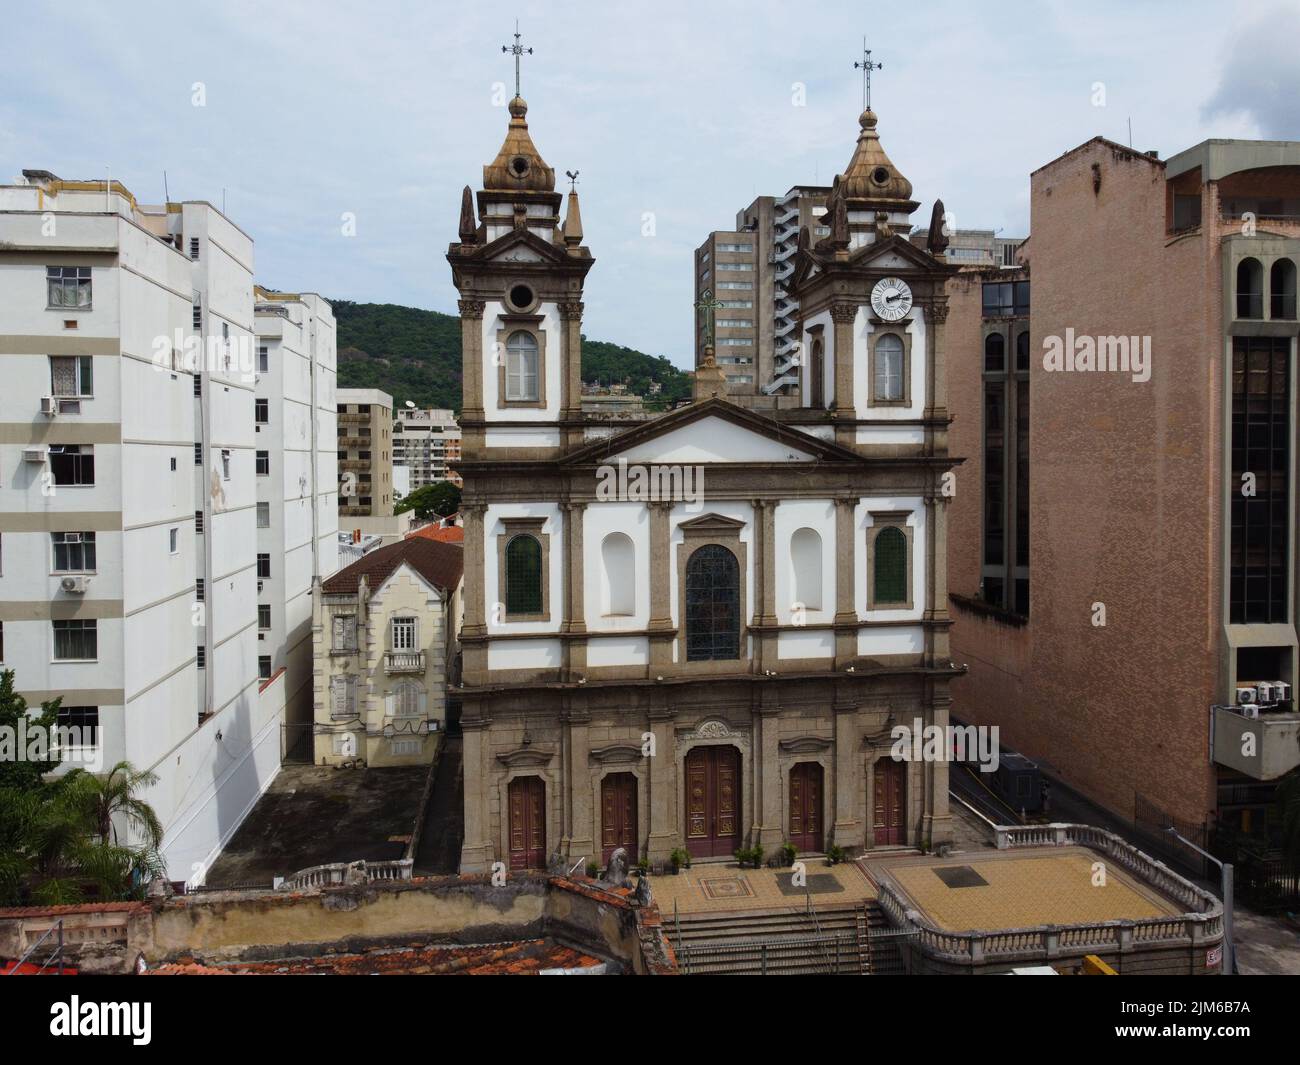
[(426, 442), (297, 486), (365, 459), (747, 271), (384, 638), (662, 669), (128, 535), (1157, 539)]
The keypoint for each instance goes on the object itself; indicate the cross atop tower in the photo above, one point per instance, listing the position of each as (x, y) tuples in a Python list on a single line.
[(866, 66), (707, 305), (517, 50)]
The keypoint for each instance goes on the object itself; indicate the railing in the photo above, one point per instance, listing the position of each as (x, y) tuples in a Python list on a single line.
[(832, 954), (1202, 922), (55, 958), (338, 873), (404, 662)]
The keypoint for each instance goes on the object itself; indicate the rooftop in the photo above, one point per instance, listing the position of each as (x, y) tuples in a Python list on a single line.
[(441, 564)]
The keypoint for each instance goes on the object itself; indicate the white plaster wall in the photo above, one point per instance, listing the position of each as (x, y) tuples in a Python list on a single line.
[(494, 594), (601, 519)]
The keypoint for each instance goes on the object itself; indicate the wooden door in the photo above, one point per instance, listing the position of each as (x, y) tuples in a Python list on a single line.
[(618, 816), (889, 802), (527, 797), (712, 801), (806, 806)]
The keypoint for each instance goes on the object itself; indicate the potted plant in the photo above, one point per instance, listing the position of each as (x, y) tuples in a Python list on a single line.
[(680, 858), (834, 854), (789, 852), (756, 855), (643, 866), (593, 870), (743, 855)]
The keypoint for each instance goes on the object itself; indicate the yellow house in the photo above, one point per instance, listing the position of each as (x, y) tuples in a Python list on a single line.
[(384, 639)]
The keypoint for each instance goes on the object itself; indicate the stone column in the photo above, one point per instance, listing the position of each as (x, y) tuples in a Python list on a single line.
[(765, 646), (574, 623), (661, 628), (477, 851), (665, 828), (474, 629), (936, 376), (471, 344), (571, 373), (846, 553), (843, 316), (769, 827), (846, 826), (580, 824)]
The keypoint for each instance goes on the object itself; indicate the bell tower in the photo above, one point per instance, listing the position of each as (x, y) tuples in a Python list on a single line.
[(520, 271)]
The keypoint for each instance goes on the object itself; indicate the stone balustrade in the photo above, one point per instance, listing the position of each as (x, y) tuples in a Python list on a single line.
[(318, 876)]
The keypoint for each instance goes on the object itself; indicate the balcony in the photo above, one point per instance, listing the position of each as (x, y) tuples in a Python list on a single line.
[(404, 662), (354, 441), (1264, 747)]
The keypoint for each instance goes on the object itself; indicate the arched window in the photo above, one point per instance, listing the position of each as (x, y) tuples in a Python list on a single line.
[(1282, 289), (817, 376), (889, 367), (712, 604), (524, 575), (408, 700), (618, 556), (890, 575), (1022, 351), (1250, 289), (995, 353), (521, 366), (806, 568)]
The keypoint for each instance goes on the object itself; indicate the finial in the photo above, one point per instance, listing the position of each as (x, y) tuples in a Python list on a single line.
[(867, 66), (468, 228), (572, 175), (517, 50), (707, 304)]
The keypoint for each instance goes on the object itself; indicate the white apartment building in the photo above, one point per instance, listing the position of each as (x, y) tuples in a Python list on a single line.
[(296, 461), (128, 491), (425, 441)]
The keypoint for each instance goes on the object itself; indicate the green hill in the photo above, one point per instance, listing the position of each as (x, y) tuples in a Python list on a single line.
[(414, 355)]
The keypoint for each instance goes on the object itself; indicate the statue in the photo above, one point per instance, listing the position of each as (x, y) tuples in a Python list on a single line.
[(616, 873), (936, 242), (642, 893)]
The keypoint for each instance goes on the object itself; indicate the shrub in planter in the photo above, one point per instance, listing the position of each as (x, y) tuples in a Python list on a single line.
[(593, 870), (789, 852), (680, 858), (834, 854), (643, 866), (756, 855), (742, 855)]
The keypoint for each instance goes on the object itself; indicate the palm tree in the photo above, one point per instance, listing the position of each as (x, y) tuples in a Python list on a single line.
[(101, 797)]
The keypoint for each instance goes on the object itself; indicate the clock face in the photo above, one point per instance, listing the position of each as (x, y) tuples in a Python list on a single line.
[(891, 299)]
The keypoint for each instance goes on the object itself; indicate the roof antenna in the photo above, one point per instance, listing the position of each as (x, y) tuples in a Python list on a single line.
[(1130, 132), (167, 196)]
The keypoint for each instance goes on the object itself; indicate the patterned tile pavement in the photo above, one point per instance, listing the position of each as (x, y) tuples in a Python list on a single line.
[(713, 888), (1022, 890)]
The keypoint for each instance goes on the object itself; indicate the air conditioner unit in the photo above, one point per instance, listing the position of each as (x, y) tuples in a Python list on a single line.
[(1245, 696), (1263, 692), (34, 454), (1281, 691), (1250, 710), (77, 585), (49, 406)]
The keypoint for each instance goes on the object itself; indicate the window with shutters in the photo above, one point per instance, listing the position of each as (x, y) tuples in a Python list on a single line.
[(889, 565), (523, 565), (889, 370), (343, 696), (407, 700), (345, 633), (521, 367)]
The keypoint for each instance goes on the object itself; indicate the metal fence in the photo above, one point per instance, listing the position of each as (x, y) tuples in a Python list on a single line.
[(1153, 823), (828, 954)]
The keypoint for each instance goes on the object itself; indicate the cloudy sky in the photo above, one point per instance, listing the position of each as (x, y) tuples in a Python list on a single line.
[(682, 111)]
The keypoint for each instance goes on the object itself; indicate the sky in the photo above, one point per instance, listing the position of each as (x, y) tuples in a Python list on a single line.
[(297, 115)]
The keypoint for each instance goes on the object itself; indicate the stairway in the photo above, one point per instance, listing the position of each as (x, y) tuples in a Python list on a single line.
[(786, 942)]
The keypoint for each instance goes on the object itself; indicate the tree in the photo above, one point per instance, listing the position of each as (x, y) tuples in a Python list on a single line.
[(440, 499), (1288, 800), (15, 770)]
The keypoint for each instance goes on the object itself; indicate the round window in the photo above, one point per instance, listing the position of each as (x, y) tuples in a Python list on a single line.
[(519, 166), (880, 175), (521, 296)]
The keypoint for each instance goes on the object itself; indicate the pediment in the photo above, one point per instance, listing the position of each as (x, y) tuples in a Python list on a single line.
[(804, 745), (522, 246), (718, 523), (709, 431), (616, 754), (526, 756)]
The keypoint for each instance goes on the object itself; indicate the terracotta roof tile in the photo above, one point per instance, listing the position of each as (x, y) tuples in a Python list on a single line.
[(452, 534), (439, 563)]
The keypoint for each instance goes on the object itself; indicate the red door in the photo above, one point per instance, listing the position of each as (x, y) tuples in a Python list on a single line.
[(618, 816), (890, 802), (712, 801), (527, 823), (806, 806)]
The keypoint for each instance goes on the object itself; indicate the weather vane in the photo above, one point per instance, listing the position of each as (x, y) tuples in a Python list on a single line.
[(866, 66), (572, 175), (708, 305), (517, 50)]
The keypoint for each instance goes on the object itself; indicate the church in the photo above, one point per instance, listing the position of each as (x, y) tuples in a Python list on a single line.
[(718, 657)]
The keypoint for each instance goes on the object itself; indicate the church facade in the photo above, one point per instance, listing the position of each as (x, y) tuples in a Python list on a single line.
[(705, 631)]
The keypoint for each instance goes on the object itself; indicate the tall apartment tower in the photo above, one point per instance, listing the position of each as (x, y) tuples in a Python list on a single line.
[(748, 271), (1151, 510), (425, 441), (365, 459), (297, 485), (128, 539)]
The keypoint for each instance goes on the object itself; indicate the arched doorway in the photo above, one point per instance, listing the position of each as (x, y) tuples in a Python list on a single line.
[(527, 800), (806, 806), (618, 816), (889, 802), (712, 801)]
